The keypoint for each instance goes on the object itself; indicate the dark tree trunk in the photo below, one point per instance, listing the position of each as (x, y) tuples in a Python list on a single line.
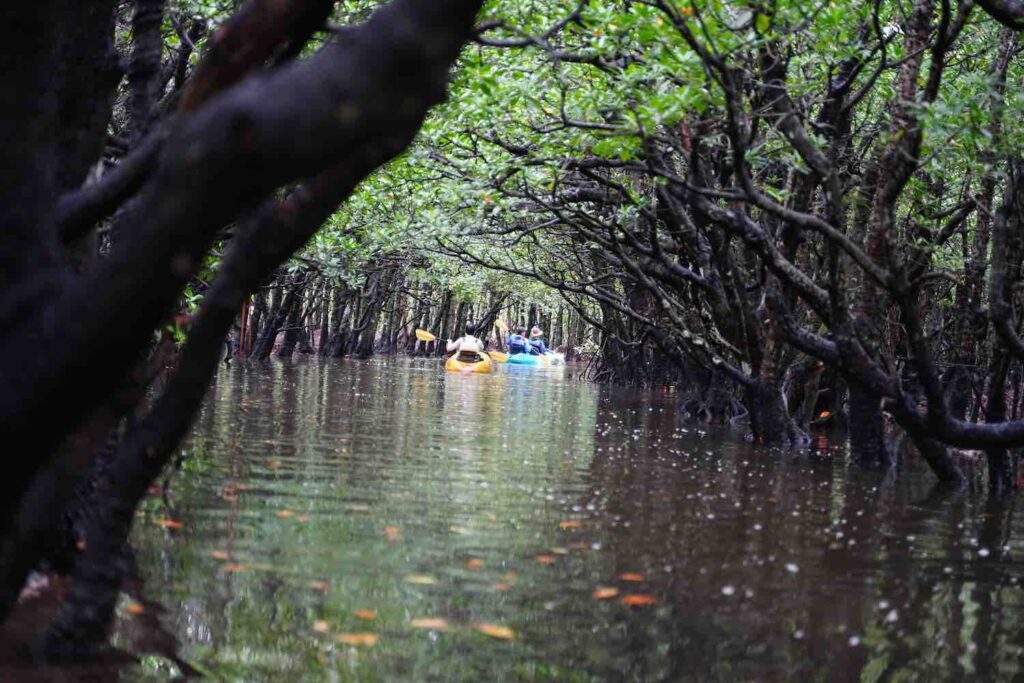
[(869, 447), (144, 69)]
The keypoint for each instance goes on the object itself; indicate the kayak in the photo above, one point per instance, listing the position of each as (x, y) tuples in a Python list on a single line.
[(547, 360), (526, 359), (469, 361)]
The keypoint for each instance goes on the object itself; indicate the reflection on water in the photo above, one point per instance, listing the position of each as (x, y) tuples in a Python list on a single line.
[(350, 499)]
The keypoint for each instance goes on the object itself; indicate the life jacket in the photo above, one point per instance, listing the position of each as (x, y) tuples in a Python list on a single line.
[(538, 345), (517, 343)]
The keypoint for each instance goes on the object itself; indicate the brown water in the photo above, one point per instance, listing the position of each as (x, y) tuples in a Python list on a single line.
[(352, 498)]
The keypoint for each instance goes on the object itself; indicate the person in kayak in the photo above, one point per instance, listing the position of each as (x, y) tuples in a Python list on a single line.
[(537, 342), (466, 342), (518, 343)]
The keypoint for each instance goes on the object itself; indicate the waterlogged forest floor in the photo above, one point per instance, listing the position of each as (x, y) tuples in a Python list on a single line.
[(363, 521)]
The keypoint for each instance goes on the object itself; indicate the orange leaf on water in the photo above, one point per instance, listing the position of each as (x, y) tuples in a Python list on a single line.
[(631, 576), (500, 586), (393, 533), (496, 631), (274, 464), (318, 585), (824, 414), (430, 623), (546, 559), (358, 638), (366, 614), (284, 514), (571, 524), (168, 523), (473, 563), (220, 555), (134, 608), (639, 600), (320, 626), (605, 593)]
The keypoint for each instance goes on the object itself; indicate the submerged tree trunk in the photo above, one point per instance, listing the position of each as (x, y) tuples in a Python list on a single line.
[(869, 447)]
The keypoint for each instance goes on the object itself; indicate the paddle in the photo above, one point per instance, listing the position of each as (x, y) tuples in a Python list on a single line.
[(425, 336)]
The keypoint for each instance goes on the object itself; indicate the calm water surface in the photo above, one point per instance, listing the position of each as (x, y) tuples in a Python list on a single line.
[(352, 500)]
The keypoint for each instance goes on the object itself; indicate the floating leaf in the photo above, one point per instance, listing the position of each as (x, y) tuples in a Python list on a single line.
[(284, 514), (500, 586), (496, 631), (559, 551), (632, 576), (135, 609), (303, 518), (420, 580), (546, 559), (824, 414), (473, 563), (318, 585), (393, 533), (233, 568), (639, 600), (605, 593), (430, 623), (366, 614), (220, 555), (167, 523), (456, 529), (320, 626), (571, 524), (367, 639), (274, 464)]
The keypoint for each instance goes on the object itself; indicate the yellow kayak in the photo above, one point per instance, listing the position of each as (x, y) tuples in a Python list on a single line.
[(469, 361)]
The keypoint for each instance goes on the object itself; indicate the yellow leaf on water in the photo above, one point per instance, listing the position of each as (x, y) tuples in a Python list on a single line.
[(367, 639), (559, 551), (473, 563), (320, 626), (430, 623), (495, 631), (631, 576), (420, 580), (366, 614), (639, 600), (605, 593), (168, 523), (456, 529), (571, 524)]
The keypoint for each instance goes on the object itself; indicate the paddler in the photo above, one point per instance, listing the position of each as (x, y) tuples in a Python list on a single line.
[(537, 341), (466, 342), (518, 343)]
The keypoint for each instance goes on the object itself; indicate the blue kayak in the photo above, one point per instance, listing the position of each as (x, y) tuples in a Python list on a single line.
[(526, 359)]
